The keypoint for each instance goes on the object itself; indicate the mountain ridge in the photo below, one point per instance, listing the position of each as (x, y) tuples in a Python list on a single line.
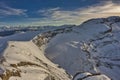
[(88, 38)]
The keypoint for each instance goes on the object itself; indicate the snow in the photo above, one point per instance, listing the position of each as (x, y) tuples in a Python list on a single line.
[(88, 47), (59, 49), (63, 51), (91, 49), (22, 51), (28, 52), (17, 37)]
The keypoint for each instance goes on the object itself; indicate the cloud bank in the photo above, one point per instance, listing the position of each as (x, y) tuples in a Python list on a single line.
[(61, 16), (77, 16)]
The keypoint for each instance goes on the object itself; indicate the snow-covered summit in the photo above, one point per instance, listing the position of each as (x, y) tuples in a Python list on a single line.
[(112, 19)]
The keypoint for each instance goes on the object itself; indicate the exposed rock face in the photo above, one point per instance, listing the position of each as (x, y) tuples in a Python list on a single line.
[(45, 37)]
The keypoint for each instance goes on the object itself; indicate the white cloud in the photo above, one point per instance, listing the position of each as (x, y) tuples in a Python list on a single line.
[(8, 11), (59, 16), (103, 9), (107, 7)]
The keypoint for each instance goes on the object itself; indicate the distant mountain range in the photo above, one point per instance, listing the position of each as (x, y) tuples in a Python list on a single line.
[(6, 31)]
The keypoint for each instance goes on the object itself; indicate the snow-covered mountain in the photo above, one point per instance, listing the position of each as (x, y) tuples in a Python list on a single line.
[(90, 51), (93, 47)]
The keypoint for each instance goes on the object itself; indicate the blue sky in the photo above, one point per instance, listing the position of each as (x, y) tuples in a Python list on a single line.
[(55, 12)]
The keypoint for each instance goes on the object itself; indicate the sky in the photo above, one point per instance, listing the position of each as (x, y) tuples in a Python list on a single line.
[(55, 12)]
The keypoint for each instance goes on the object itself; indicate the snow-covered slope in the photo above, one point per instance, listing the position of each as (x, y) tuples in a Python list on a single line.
[(92, 47), (21, 59), (26, 36)]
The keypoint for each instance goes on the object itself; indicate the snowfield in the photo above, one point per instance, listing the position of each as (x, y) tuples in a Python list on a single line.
[(23, 60), (90, 51)]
